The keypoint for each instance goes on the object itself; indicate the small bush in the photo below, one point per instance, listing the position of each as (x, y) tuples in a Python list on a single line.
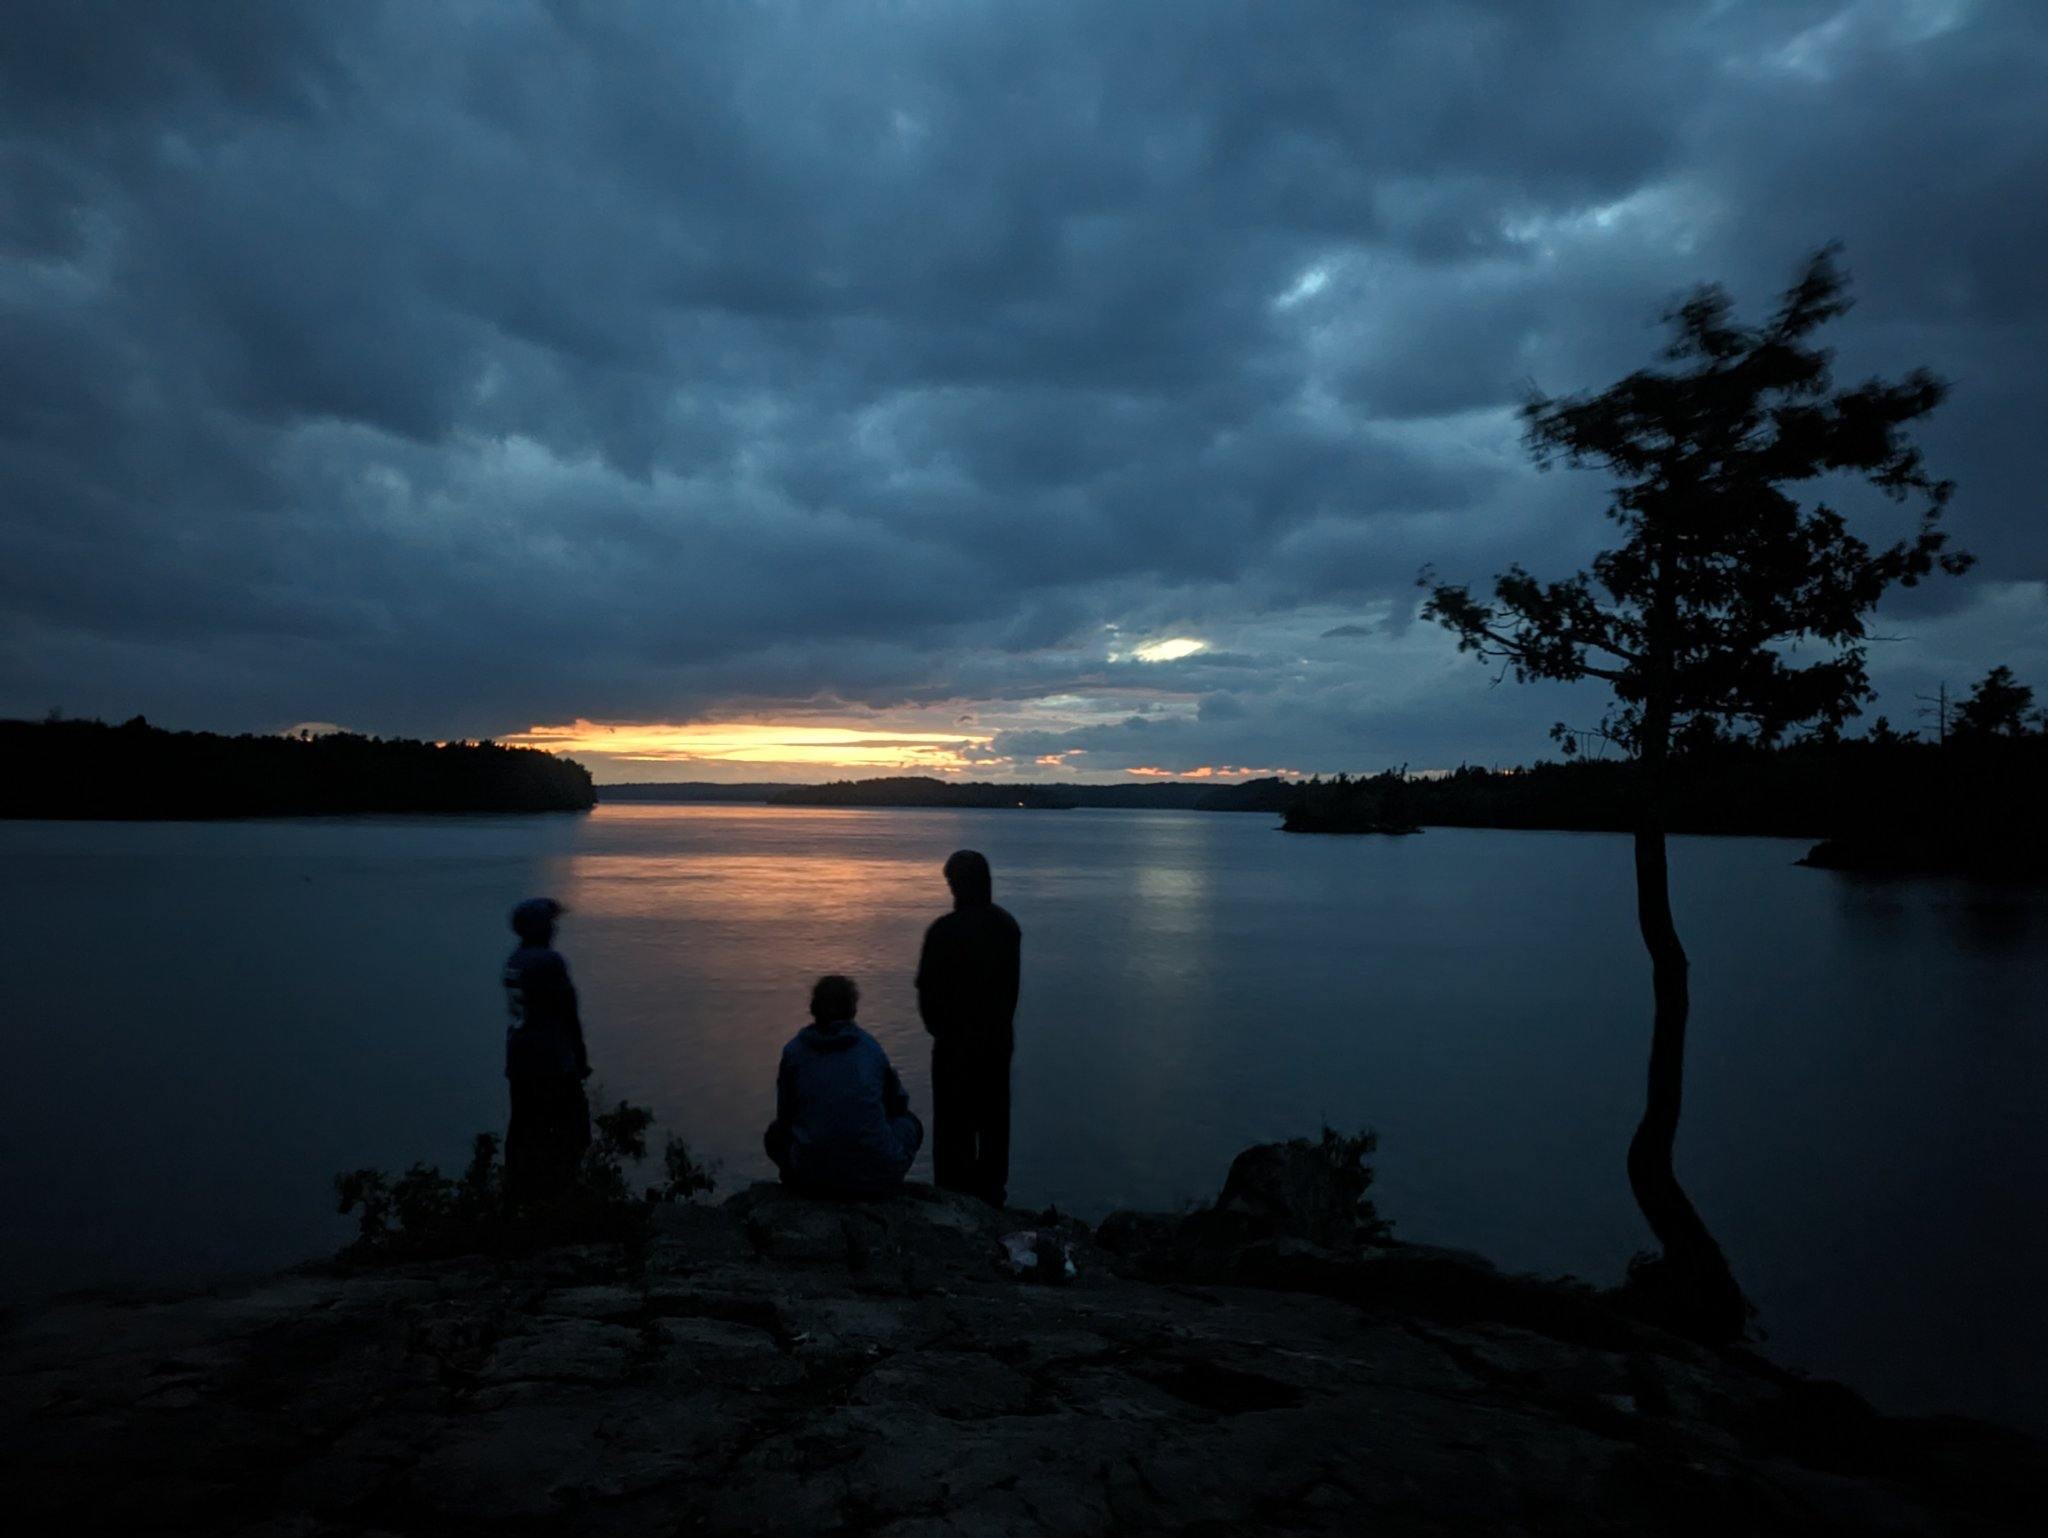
[(686, 1177), (424, 1215), (618, 1138), (1346, 1157)]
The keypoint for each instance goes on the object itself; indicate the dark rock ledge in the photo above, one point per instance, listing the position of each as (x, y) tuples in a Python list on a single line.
[(780, 1365)]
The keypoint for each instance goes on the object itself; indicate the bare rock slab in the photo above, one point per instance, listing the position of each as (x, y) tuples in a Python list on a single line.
[(782, 1364)]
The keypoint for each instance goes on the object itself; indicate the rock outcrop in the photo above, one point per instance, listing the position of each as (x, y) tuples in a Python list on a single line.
[(786, 1365)]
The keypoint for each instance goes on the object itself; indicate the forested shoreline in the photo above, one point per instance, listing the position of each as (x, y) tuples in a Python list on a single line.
[(1971, 806), (88, 769), (1878, 802)]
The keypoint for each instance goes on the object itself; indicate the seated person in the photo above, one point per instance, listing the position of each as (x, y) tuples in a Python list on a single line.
[(843, 1126)]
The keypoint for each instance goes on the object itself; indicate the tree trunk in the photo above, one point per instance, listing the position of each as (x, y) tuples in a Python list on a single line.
[(1696, 1291)]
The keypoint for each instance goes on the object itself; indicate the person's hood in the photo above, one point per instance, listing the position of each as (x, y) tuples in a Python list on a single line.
[(836, 1036), (968, 875)]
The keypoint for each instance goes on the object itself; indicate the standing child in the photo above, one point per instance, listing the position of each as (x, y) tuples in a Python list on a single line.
[(545, 1063)]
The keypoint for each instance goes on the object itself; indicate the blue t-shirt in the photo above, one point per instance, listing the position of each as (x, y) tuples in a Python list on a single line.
[(542, 1031)]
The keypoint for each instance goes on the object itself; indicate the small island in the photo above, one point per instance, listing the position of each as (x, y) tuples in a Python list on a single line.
[(1382, 804), (135, 771)]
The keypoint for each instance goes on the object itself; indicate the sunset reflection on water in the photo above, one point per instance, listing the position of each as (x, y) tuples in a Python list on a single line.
[(697, 932), (696, 961)]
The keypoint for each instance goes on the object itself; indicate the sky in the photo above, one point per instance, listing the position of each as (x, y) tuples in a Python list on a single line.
[(1004, 390)]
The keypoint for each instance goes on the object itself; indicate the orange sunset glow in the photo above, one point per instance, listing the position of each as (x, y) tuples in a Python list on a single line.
[(756, 742)]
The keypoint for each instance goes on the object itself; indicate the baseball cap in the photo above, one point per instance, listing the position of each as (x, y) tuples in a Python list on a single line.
[(536, 913)]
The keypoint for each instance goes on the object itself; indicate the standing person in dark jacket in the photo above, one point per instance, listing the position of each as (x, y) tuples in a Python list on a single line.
[(843, 1126), (967, 996), (545, 1063)]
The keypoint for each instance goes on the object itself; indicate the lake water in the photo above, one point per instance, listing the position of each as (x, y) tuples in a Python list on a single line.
[(205, 1021)]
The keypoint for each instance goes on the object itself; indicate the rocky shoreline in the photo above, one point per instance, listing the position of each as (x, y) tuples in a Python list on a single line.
[(778, 1364)]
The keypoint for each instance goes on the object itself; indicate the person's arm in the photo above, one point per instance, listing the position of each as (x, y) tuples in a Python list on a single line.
[(785, 1093), (895, 1102), (928, 982), (1013, 966), (575, 1019)]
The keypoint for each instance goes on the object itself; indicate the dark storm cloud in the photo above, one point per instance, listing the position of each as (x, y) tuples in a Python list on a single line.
[(448, 369)]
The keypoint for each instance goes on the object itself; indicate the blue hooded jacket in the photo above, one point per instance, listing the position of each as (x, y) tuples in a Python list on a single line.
[(543, 1031), (848, 1120)]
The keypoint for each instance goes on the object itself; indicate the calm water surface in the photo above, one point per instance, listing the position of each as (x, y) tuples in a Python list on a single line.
[(206, 1021)]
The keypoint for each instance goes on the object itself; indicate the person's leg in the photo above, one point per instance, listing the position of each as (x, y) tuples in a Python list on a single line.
[(575, 1129), (561, 1131), (545, 1162), (572, 1129), (776, 1141), (971, 1181), (520, 1133), (952, 1124), (992, 1115), (909, 1135)]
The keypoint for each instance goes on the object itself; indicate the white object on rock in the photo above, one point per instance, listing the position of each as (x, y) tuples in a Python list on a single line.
[(1038, 1255)]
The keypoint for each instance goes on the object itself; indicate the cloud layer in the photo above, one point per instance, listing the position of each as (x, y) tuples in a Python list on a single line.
[(904, 368)]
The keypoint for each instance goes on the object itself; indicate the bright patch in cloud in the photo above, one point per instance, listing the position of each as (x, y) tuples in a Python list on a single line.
[(1820, 52), (1312, 282), (1171, 650), (1670, 215)]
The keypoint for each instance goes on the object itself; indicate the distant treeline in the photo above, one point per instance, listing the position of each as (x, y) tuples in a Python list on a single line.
[(1881, 803), (60, 768), (755, 792), (1269, 795)]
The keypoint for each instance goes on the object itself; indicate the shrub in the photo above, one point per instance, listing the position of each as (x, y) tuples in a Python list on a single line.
[(686, 1177), (424, 1215), (1353, 1176)]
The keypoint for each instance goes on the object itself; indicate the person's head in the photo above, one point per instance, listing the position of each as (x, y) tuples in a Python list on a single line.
[(534, 920), (968, 875), (834, 998)]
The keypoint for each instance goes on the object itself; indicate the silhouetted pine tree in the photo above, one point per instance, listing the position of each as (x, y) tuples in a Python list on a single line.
[(1688, 619)]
